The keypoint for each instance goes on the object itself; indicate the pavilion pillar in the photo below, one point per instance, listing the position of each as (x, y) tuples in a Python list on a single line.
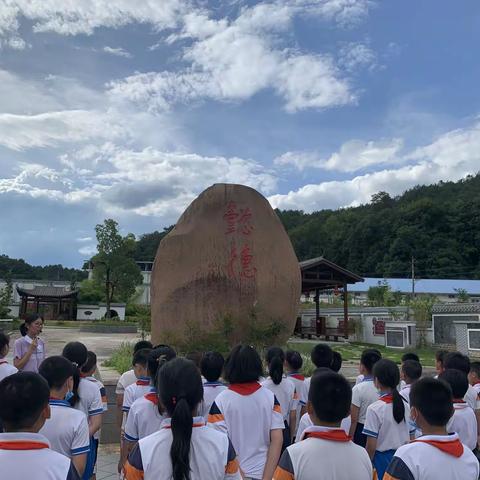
[(70, 309), (345, 310)]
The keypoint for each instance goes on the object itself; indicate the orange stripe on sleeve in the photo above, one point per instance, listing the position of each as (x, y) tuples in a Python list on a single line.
[(277, 408), (386, 476), (281, 474), (232, 467), (216, 417), (131, 473)]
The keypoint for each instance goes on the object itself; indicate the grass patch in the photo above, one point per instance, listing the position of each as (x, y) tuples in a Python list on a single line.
[(353, 351), (121, 359)]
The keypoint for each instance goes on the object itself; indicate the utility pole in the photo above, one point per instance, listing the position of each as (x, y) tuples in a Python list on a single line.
[(413, 276)]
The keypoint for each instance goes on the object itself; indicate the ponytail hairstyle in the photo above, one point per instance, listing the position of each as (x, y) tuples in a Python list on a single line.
[(180, 390), (77, 353), (387, 374), (56, 371), (158, 357), (4, 342), (275, 357), (29, 319)]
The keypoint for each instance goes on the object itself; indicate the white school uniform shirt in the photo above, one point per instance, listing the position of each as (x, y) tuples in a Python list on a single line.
[(90, 402), (28, 456), (317, 457), (127, 378), (303, 395), (464, 422), (306, 422), (381, 425), (66, 429), (212, 456), (247, 418), (6, 369), (137, 390), (143, 418), (433, 457), (298, 380), (363, 395), (211, 390), (103, 395), (471, 397), (405, 393), (286, 395)]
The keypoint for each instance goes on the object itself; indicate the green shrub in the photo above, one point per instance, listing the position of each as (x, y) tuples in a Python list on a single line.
[(121, 359)]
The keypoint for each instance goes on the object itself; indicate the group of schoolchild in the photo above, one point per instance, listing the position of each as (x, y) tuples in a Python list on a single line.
[(201, 417)]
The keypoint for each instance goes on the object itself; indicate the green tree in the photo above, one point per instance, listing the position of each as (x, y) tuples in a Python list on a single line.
[(422, 315), (462, 295), (90, 291), (383, 296), (114, 266), (6, 294)]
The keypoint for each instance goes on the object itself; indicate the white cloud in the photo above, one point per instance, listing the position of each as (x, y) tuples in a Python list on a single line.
[(353, 155), (19, 132), (235, 59), (84, 239), (357, 55), (88, 250), (452, 156), (118, 52)]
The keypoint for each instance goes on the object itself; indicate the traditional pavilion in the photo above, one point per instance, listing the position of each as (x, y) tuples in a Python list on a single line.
[(52, 303), (320, 274)]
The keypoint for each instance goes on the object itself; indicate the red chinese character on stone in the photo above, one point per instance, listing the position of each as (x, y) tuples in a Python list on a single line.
[(231, 216), (246, 259), (246, 227)]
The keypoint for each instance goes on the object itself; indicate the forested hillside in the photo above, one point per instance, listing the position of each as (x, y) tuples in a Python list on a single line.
[(439, 225), (11, 267)]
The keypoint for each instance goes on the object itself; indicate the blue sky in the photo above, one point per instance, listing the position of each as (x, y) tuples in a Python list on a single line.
[(114, 108)]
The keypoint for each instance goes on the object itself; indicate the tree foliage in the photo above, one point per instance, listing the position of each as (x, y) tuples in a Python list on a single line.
[(382, 295), (114, 266), (6, 294)]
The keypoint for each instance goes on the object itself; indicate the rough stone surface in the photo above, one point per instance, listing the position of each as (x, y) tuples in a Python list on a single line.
[(228, 256)]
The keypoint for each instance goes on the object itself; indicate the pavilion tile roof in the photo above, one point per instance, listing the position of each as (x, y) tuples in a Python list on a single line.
[(46, 291)]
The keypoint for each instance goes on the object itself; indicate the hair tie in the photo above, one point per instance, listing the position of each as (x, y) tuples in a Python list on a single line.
[(75, 364)]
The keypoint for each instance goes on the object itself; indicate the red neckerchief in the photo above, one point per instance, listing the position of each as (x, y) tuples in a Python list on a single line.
[(338, 435), (143, 383), (3, 361), (244, 388), (458, 400), (387, 398), (152, 397), (22, 445), (298, 376), (451, 447)]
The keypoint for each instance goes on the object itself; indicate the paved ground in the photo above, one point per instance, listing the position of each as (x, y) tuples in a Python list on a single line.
[(107, 462)]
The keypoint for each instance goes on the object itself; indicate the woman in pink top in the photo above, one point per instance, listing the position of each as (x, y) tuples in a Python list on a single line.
[(29, 350)]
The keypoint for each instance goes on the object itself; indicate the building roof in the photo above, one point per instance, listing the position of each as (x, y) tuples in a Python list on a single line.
[(432, 286), (49, 291), (320, 273)]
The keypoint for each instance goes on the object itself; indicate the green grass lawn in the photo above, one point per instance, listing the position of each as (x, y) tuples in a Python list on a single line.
[(353, 351)]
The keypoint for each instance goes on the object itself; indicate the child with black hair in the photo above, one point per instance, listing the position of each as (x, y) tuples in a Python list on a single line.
[(5, 368), (410, 356), (24, 453), (211, 368), (411, 371), (126, 379), (463, 420), (146, 415), (326, 451), (88, 371), (293, 365), (250, 414), (143, 382), (459, 361), (439, 358), (361, 376), (474, 377), (437, 454), (387, 423), (337, 361), (322, 357), (29, 350), (86, 398), (67, 428), (363, 395), (284, 390), (184, 447)]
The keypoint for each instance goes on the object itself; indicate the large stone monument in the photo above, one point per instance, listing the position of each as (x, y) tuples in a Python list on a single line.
[(228, 260)]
